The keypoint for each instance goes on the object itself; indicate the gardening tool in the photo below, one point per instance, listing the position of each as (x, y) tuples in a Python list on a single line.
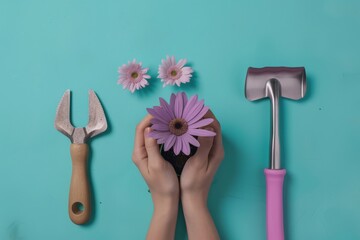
[(275, 82), (79, 196)]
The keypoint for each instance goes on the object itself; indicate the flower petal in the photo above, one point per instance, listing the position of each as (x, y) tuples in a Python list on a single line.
[(169, 142), (178, 108), (200, 115), (156, 115), (161, 127), (161, 140), (181, 63), (189, 105), (184, 79), (201, 132), (195, 110), (166, 106), (162, 112), (172, 101), (167, 116), (156, 121), (172, 60), (185, 146), (132, 88), (193, 141), (178, 145), (157, 135), (185, 99), (167, 62), (187, 70), (201, 123)]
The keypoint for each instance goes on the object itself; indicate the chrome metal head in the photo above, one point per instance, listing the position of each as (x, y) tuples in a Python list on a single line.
[(275, 82), (97, 120), (292, 81)]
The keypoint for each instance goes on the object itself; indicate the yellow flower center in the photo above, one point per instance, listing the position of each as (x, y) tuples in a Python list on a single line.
[(173, 73), (134, 75)]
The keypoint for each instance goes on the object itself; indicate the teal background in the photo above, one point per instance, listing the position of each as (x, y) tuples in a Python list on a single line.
[(47, 47)]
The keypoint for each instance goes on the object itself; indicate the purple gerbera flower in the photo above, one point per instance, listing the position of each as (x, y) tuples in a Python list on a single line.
[(176, 124)]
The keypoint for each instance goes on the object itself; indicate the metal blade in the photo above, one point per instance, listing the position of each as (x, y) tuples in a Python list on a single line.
[(292, 81), (97, 120), (62, 119)]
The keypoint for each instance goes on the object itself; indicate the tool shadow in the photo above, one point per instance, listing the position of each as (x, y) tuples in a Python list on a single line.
[(94, 203), (289, 177)]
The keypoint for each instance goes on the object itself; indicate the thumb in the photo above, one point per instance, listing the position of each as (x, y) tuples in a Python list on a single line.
[(152, 148), (205, 146)]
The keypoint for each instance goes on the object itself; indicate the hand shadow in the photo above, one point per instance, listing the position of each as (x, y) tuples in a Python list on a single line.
[(222, 183), (220, 187), (180, 233)]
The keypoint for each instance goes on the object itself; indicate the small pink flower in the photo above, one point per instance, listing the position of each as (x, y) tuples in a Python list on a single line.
[(133, 76), (172, 73)]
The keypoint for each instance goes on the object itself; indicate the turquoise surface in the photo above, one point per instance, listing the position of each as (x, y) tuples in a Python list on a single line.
[(47, 47)]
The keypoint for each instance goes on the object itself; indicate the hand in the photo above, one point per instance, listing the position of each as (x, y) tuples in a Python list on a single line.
[(200, 169), (195, 182), (161, 179)]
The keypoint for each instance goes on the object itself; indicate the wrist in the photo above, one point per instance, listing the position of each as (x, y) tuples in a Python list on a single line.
[(197, 216), (194, 201), (164, 218), (165, 205)]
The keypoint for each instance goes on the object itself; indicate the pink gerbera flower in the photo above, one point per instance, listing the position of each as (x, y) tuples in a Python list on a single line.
[(176, 124), (172, 73), (133, 76)]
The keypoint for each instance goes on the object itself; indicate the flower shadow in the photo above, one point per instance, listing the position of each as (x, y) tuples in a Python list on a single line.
[(154, 83), (194, 81)]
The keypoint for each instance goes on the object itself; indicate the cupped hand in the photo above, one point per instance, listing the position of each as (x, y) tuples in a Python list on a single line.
[(199, 170), (195, 182), (162, 181), (159, 174)]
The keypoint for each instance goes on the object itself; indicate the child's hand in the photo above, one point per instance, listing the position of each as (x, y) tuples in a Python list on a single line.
[(195, 182), (161, 179)]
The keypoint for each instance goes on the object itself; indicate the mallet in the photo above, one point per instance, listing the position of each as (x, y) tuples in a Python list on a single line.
[(273, 83)]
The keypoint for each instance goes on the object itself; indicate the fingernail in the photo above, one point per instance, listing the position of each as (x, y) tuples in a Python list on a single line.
[(147, 132)]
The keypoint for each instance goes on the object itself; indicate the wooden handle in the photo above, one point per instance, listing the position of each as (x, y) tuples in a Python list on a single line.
[(79, 197)]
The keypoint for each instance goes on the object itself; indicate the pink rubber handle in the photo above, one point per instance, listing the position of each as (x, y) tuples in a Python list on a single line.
[(274, 204)]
